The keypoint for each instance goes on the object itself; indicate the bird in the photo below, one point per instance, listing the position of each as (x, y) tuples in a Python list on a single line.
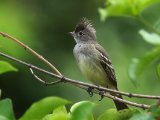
[(93, 60)]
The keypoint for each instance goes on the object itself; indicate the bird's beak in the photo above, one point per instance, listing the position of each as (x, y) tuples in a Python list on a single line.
[(71, 33)]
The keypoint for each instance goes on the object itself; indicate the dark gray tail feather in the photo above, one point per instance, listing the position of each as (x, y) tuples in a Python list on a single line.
[(120, 105)]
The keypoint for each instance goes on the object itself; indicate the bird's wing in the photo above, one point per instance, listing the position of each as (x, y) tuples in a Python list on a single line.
[(106, 64)]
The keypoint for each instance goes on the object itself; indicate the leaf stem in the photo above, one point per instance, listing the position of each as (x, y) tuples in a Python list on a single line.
[(147, 24)]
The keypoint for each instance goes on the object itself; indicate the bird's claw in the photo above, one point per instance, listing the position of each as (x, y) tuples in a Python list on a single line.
[(101, 93), (89, 90)]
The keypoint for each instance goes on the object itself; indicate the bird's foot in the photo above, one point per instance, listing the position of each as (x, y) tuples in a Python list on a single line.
[(90, 92), (101, 93)]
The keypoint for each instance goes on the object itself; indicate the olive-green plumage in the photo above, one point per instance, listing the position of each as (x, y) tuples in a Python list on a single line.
[(92, 59)]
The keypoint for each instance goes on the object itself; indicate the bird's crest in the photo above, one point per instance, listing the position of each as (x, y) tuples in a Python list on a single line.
[(84, 23)]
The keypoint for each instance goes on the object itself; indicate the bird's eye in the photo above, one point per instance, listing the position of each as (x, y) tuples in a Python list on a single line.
[(80, 33)]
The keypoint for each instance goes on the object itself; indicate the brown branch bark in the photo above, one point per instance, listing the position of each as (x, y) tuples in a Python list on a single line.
[(32, 51)]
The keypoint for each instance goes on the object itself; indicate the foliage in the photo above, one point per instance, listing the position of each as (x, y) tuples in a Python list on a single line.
[(124, 7), (6, 110), (112, 114), (137, 8), (6, 67), (50, 108), (53, 108), (139, 65), (78, 110), (151, 38), (43, 107), (152, 114)]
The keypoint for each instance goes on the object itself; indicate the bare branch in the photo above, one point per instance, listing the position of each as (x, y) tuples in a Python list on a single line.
[(32, 51), (76, 82), (143, 106), (39, 79)]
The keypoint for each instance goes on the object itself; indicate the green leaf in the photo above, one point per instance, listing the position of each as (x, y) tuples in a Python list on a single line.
[(61, 109), (151, 38), (40, 109), (6, 110), (110, 114), (125, 7), (6, 67), (59, 113), (103, 13), (82, 111), (58, 116), (3, 118), (150, 18), (126, 113), (142, 116), (137, 66), (113, 114)]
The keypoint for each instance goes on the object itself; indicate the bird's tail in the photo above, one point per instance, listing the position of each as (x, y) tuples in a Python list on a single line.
[(119, 105)]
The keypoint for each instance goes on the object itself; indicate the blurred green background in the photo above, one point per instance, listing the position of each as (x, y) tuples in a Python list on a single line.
[(44, 26)]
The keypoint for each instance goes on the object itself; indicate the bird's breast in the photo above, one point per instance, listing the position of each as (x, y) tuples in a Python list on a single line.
[(91, 68)]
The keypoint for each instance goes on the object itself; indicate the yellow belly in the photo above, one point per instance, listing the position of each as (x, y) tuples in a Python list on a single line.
[(93, 71)]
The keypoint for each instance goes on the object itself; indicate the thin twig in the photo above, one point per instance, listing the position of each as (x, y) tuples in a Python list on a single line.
[(43, 81), (147, 24), (143, 106), (68, 80), (32, 51)]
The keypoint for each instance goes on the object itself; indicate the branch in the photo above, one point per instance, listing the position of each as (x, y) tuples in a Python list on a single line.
[(83, 85), (143, 106), (58, 75), (39, 79), (32, 51), (79, 82)]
